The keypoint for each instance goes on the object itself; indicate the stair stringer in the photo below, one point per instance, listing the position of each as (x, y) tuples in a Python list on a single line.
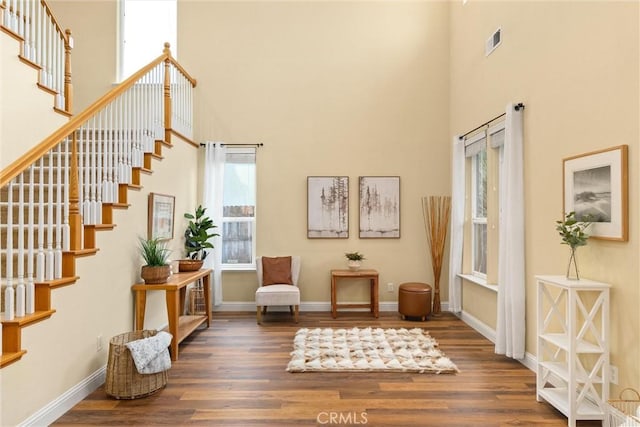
[(20, 101), (62, 350)]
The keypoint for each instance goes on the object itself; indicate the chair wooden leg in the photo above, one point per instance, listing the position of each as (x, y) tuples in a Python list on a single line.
[(291, 309), (295, 313), (259, 315), (264, 310)]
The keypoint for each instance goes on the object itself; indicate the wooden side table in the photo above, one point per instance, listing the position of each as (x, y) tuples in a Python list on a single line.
[(180, 326), (372, 275)]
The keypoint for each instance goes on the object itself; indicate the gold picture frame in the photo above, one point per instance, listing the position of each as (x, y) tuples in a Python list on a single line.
[(596, 189), (160, 222)]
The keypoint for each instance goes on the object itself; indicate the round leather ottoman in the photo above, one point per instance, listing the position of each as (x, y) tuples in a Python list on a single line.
[(414, 300)]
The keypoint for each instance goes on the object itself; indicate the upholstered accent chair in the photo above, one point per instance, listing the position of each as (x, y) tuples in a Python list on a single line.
[(277, 284)]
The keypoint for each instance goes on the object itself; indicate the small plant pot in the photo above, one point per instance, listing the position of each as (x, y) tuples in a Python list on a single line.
[(154, 274), (190, 264), (354, 265)]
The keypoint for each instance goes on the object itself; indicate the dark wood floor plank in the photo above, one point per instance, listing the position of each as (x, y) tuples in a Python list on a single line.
[(233, 374)]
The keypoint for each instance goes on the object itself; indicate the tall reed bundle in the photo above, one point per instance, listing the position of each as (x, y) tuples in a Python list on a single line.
[(436, 210)]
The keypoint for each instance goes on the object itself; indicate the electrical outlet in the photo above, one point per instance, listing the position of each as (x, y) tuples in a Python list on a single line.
[(613, 374), (389, 287), (99, 343)]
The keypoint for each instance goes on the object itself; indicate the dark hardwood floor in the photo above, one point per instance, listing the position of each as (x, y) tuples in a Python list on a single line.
[(234, 374)]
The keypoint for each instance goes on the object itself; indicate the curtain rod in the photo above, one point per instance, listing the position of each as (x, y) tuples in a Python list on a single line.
[(258, 144), (517, 108)]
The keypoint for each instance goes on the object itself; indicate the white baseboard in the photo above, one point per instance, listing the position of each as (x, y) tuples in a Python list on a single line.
[(58, 407), (304, 306), (308, 306)]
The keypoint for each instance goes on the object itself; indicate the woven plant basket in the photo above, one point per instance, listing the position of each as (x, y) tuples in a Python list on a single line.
[(123, 380)]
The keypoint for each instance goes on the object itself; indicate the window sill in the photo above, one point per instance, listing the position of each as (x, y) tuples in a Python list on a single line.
[(238, 268), (478, 281)]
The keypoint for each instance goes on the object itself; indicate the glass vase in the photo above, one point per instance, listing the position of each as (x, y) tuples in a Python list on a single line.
[(572, 268)]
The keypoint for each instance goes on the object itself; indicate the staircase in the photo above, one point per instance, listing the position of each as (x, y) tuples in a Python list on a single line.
[(63, 191)]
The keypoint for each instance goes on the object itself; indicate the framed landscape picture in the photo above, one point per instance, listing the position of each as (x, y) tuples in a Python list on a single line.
[(379, 207), (327, 207), (596, 189), (160, 216)]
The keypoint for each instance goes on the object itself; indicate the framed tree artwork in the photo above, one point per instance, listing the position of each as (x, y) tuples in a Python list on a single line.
[(160, 216), (379, 207), (596, 189), (327, 207)]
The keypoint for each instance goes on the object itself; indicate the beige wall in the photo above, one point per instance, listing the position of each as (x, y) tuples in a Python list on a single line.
[(21, 97), (581, 91), (330, 88), (93, 25)]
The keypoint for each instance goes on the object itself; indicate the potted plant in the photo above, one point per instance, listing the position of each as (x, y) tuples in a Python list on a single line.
[(155, 254), (197, 239), (354, 260), (573, 234)]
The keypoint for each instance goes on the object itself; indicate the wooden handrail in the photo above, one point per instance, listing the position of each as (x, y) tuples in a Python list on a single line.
[(76, 121)]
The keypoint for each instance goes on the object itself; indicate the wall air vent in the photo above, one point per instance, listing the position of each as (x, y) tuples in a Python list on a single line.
[(493, 42)]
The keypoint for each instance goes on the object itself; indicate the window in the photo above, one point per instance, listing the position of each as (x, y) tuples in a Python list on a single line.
[(239, 209), (479, 212), (145, 25), (484, 153)]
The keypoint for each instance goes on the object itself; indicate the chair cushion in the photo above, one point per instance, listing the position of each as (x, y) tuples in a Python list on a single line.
[(276, 271), (278, 295)]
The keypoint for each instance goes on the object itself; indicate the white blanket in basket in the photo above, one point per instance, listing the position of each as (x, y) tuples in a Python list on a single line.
[(151, 355)]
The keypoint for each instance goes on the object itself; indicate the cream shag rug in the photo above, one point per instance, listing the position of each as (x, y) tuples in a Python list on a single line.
[(367, 349)]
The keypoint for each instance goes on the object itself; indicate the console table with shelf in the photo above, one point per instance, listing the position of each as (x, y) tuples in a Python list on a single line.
[(372, 275), (572, 371), (180, 326)]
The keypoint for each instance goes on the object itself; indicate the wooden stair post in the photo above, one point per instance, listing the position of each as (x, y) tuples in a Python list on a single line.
[(75, 219), (68, 87)]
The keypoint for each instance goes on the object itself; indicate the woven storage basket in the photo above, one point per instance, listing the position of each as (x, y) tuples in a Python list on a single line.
[(123, 380), (624, 412)]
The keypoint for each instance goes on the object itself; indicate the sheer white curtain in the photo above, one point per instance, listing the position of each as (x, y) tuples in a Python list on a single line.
[(510, 330), (457, 225), (215, 154)]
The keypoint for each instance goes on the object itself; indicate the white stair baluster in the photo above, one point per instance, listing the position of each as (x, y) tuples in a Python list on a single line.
[(40, 259), (9, 293), (86, 173), (30, 291), (27, 30), (92, 174), (98, 167), (121, 173), (66, 231), (106, 176), (57, 267), (49, 263), (20, 290), (9, 302)]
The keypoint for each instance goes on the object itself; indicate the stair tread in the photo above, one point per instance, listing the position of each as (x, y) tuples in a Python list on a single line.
[(57, 283), (82, 252), (28, 318), (101, 227), (53, 283), (8, 358)]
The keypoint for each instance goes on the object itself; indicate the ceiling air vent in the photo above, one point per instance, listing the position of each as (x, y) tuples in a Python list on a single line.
[(493, 42)]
